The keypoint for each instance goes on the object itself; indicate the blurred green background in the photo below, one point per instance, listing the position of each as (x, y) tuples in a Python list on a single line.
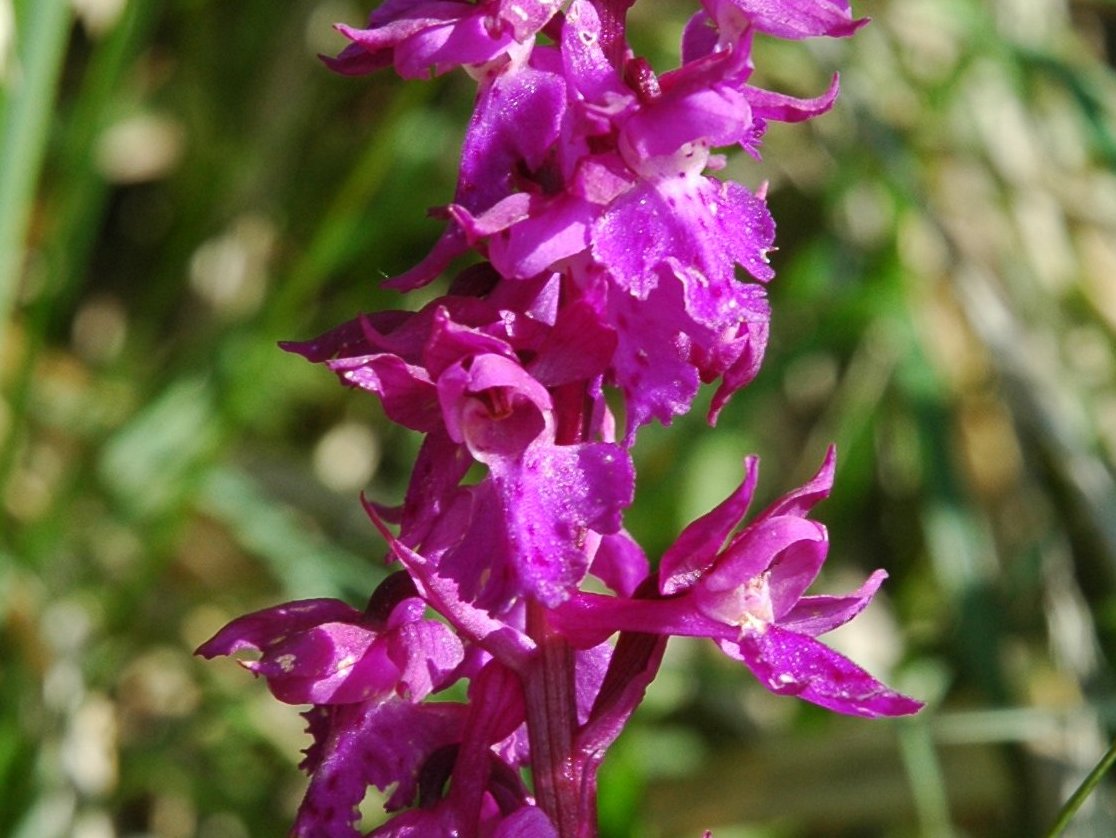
[(182, 185)]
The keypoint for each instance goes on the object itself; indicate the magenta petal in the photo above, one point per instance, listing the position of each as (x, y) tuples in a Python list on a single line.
[(420, 38), (504, 641), (600, 179), (537, 242), (632, 666), (814, 615), (694, 550), (578, 348), (727, 308), (591, 483), (696, 221), (398, 19), (407, 394), (585, 64), (750, 343), (438, 469), (795, 19), (363, 747), (355, 60), (323, 652), (366, 334), (768, 105), (334, 663), (586, 620), (716, 115), (620, 563), (652, 361), (516, 121), (804, 498), (470, 546), (526, 17), (636, 234), (796, 568), (439, 49), (793, 664), (497, 703), (495, 407), (526, 822), (260, 629), (763, 546), (590, 666), (490, 371), (426, 652), (550, 498), (497, 218), (449, 246), (728, 321), (699, 38), (450, 342), (743, 219)]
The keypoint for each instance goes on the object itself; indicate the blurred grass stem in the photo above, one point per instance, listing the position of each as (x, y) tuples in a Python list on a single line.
[(925, 774), (1082, 793), (331, 241), (42, 27)]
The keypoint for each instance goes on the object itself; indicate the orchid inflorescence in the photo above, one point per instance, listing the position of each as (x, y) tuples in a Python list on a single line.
[(607, 261)]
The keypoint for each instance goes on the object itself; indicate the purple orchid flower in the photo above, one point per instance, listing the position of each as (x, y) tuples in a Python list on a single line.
[(360, 745), (749, 597), (638, 215), (422, 36), (610, 256), (322, 651), (522, 529), (792, 19)]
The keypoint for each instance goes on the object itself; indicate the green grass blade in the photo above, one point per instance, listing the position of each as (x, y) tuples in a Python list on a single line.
[(42, 28), (1082, 793)]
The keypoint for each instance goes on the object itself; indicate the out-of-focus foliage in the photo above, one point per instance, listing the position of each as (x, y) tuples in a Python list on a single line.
[(182, 185)]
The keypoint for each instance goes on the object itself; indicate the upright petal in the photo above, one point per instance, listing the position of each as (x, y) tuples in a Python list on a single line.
[(695, 549), (803, 499), (620, 563)]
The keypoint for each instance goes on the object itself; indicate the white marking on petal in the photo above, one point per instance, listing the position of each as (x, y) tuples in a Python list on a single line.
[(346, 662)]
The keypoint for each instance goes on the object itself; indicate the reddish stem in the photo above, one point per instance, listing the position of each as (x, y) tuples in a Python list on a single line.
[(548, 687), (564, 778)]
